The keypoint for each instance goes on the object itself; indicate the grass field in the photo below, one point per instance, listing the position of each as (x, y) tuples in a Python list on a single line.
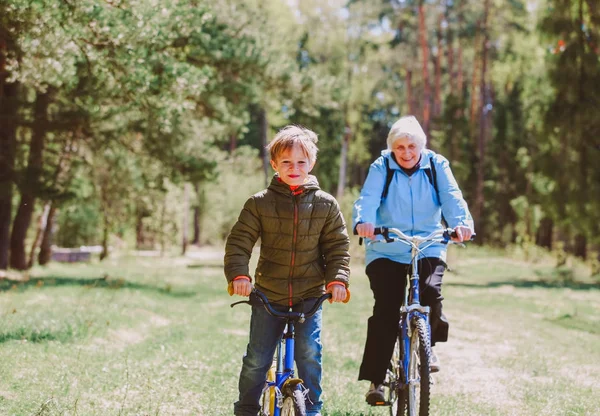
[(156, 336)]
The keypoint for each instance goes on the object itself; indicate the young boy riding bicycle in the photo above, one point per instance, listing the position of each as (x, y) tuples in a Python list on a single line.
[(303, 254)]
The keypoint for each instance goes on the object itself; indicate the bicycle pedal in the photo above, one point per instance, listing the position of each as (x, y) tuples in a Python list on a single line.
[(378, 404)]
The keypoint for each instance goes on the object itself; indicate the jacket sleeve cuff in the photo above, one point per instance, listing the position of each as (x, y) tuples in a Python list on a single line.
[(334, 283)]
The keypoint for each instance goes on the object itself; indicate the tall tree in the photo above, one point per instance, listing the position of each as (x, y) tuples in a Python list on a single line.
[(571, 119)]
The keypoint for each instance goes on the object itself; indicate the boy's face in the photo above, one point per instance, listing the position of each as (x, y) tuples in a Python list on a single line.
[(293, 166)]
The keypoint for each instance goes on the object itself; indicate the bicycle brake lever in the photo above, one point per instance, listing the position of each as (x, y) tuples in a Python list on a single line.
[(240, 302)]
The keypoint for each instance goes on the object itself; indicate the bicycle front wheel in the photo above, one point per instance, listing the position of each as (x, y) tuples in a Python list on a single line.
[(419, 377), (294, 405), (267, 399), (393, 381)]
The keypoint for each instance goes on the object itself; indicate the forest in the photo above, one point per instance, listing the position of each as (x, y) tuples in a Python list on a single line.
[(141, 124)]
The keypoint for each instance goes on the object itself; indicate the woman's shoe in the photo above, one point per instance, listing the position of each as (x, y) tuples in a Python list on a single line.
[(375, 395)]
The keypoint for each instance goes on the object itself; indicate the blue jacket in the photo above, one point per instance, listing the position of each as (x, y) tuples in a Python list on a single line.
[(411, 205)]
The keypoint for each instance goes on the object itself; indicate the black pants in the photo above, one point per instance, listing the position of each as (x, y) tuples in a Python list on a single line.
[(388, 283)]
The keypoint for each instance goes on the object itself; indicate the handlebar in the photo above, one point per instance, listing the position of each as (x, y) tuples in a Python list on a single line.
[(291, 315), (443, 236), (230, 291)]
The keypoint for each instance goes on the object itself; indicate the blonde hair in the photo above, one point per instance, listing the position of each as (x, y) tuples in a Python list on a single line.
[(292, 135), (407, 127)]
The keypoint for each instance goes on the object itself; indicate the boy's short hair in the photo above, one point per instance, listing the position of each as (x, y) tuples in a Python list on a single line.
[(407, 127), (292, 135)]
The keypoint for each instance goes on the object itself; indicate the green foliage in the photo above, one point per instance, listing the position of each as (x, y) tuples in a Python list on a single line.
[(239, 177), (78, 225), (146, 96)]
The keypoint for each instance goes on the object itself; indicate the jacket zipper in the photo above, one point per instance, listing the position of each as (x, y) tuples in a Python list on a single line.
[(294, 236), (412, 206)]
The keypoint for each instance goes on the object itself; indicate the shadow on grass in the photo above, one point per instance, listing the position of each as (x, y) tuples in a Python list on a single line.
[(205, 266), (37, 336), (97, 283), (574, 321), (553, 278), (528, 284)]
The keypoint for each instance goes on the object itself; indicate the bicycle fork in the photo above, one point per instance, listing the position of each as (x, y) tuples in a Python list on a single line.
[(284, 373)]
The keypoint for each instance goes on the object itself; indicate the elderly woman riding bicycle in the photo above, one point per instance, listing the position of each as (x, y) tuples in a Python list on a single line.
[(412, 189)]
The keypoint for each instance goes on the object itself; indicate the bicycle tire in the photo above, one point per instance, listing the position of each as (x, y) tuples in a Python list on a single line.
[(294, 405), (418, 389)]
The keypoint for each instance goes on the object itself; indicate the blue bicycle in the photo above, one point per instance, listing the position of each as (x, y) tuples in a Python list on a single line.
[(408, 378), (284, 394)]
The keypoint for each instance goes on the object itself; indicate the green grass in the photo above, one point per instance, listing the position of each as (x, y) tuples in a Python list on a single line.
[(151, 336)]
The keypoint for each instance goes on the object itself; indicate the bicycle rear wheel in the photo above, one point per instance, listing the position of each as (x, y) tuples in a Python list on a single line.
[(419, 377), (294, 405)]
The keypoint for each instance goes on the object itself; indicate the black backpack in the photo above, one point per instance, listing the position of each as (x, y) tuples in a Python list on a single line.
[(431, 175)]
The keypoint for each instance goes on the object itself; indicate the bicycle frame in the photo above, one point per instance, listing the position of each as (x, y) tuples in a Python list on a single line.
[(284, 369)]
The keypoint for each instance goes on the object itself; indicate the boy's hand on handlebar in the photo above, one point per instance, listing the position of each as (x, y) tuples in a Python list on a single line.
[(365, 229), (242, 287), (462, 234), (338, 293)]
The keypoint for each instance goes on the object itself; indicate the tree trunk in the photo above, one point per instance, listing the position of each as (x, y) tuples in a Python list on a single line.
[(343, 161), (437, 101), (544, 233), (31, 183), (410, 99), (459, 53), (232, 143), (196, 237), (8, 142), (46, 244), (39, 234), (105, 228), (186, 218), (425, 69), (580, 246), (474, 93), (163, 216), (262, 129), (139, 231), (484, 114), (450, 51), (197, 213)]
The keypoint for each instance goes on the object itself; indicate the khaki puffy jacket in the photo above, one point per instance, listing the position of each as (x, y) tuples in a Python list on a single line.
[(304, 242)]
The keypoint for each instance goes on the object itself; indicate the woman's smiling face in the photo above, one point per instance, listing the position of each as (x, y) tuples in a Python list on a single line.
[(407, 152)]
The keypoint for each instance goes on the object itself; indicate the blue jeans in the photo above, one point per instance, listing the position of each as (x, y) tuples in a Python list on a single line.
[(265, 333)]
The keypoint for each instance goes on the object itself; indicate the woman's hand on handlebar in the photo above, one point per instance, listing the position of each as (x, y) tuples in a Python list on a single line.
[(462, 233), (365, 229)]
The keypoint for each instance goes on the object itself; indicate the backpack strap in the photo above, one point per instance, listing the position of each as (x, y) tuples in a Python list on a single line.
[(389, 175), (433, 180), (432, 175)]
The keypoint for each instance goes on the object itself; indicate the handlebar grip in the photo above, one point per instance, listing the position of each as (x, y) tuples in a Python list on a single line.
[(347, 296), (230, 288), (379, 230)]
